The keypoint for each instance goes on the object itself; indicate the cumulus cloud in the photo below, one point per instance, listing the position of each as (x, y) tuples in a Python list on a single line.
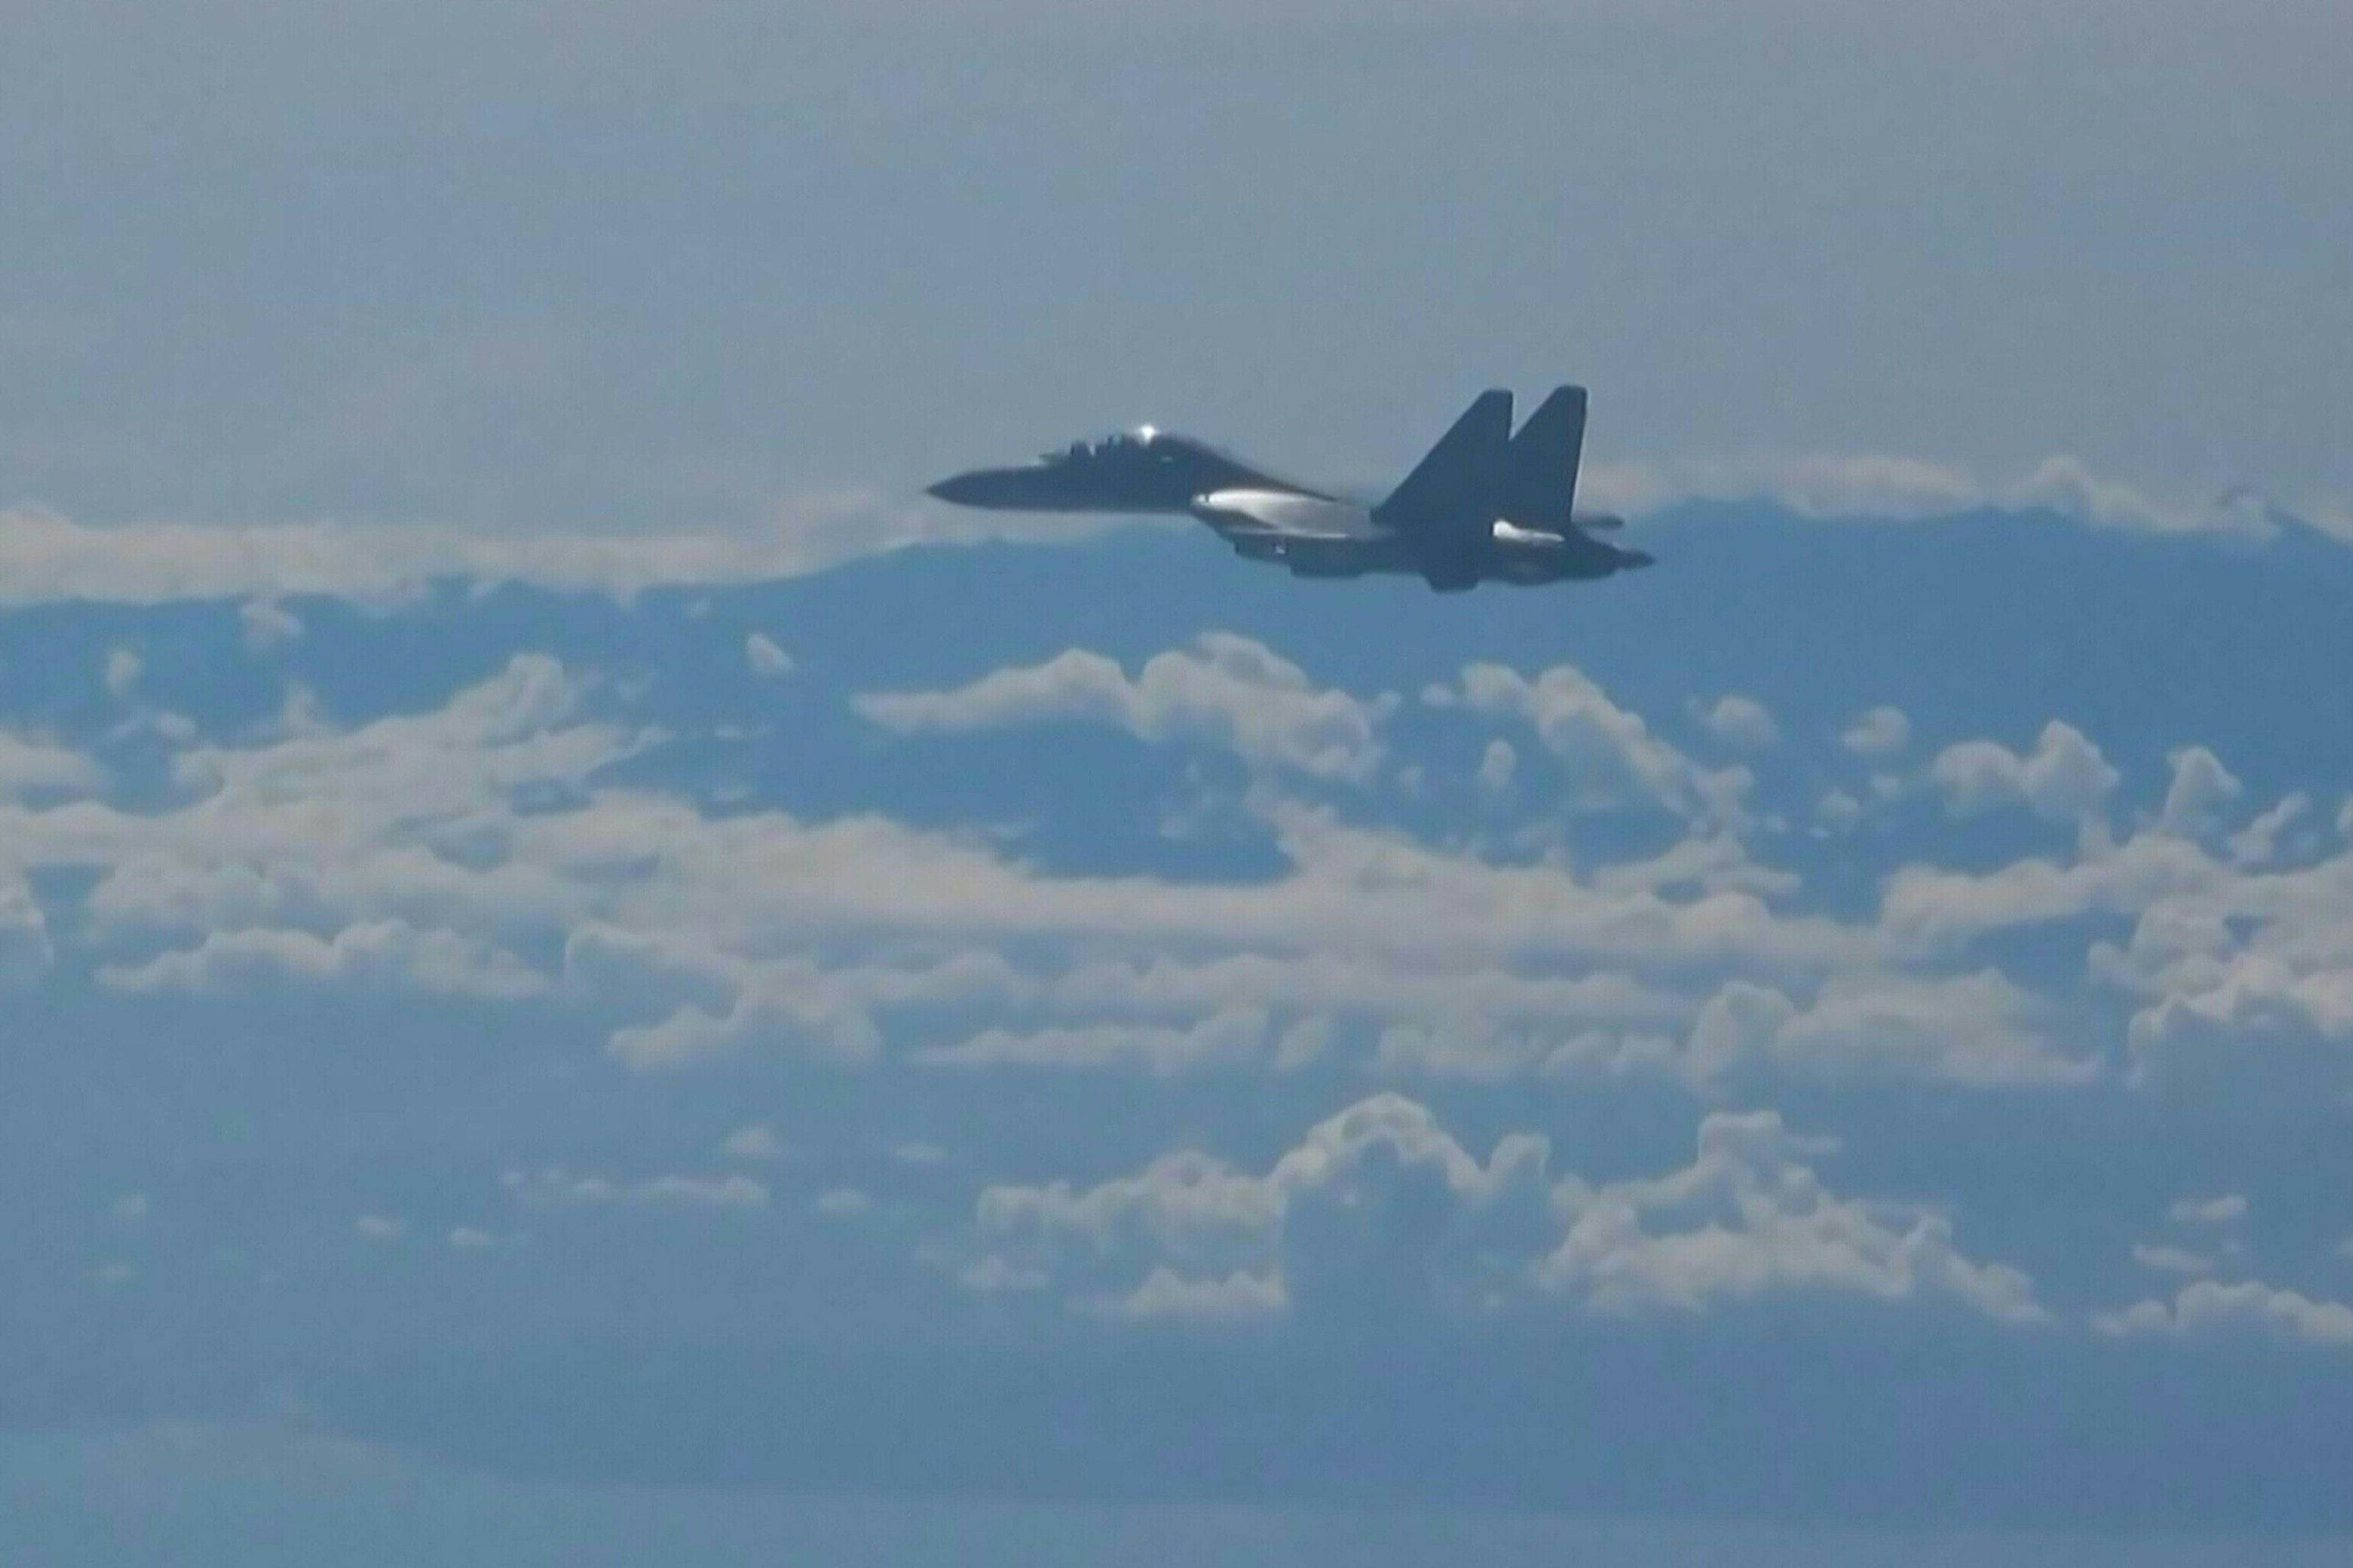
[(25, 948), (2229, 1208), (2211, 1307), (1489, 1050), (2258, 843), (1380, 1209), (1879, 735), (758, 1142), (1608, 754), (2225, 1032), (765, 657), (1497, 764), (1933, 905), (2162, 1258), (828, 1026), (388, 955), (123, 667), (36, 767), (1742, 723), (267, 624), (2063, 779), (1750, 1217), (1239, 1297), (426, 850), (2201, 791), (1981, 1030), (1223, 690)]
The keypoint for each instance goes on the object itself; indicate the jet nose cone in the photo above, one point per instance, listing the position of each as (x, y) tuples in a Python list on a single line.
[(1002, 489), (1634, 560), (960, 489)]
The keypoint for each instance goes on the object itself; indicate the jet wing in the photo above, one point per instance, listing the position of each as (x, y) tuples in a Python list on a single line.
[(1280, 514)]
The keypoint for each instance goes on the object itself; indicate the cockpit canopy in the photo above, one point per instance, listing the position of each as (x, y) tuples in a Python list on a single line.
[(1127, 445)]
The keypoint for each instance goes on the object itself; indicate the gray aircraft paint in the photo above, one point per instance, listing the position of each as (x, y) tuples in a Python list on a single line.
[(1483, 505)]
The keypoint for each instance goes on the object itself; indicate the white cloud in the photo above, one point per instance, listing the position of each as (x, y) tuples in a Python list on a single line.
[(38, 767), (2063, 779), (423, 852), (375, 954), (1380, 1209), (2160, 1258), (1487, 1050), (765, 657), (401, 853), (2228, 1209), (1930, 905), (1607, 753), (380, 1227), (2201, 791), (1900, 488), (825, 1027), (2250, 1306), (131, 1207), (1741, 723), (26, 952), (2243, 1003), (1223, 690), (755, 1143), (45, 557), (2258, 843), (1239, 1297), (1880, 734), (123, 667), (1496, 766), (1837, 812), (1235, 1038), (1748, 1217), (1981, 1029), (267, 624), (1378, 1206), (558, 1188)]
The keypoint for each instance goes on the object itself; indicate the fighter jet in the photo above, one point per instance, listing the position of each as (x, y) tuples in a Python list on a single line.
[(1485, 505)]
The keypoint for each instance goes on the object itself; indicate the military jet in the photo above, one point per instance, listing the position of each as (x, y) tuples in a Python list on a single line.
[(1485, 505)]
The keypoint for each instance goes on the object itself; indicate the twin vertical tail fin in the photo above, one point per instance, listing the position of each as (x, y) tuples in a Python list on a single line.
[(1481, 471), (1539, 478), (1456, 480)]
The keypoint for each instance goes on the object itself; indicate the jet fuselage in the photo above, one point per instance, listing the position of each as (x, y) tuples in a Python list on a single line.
[(1484, 506), (1318, 537)]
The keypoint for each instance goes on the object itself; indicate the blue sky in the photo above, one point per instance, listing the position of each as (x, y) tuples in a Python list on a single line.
[(571, 946)]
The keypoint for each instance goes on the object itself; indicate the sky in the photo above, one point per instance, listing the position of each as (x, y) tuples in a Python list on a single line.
[(585, 970)]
